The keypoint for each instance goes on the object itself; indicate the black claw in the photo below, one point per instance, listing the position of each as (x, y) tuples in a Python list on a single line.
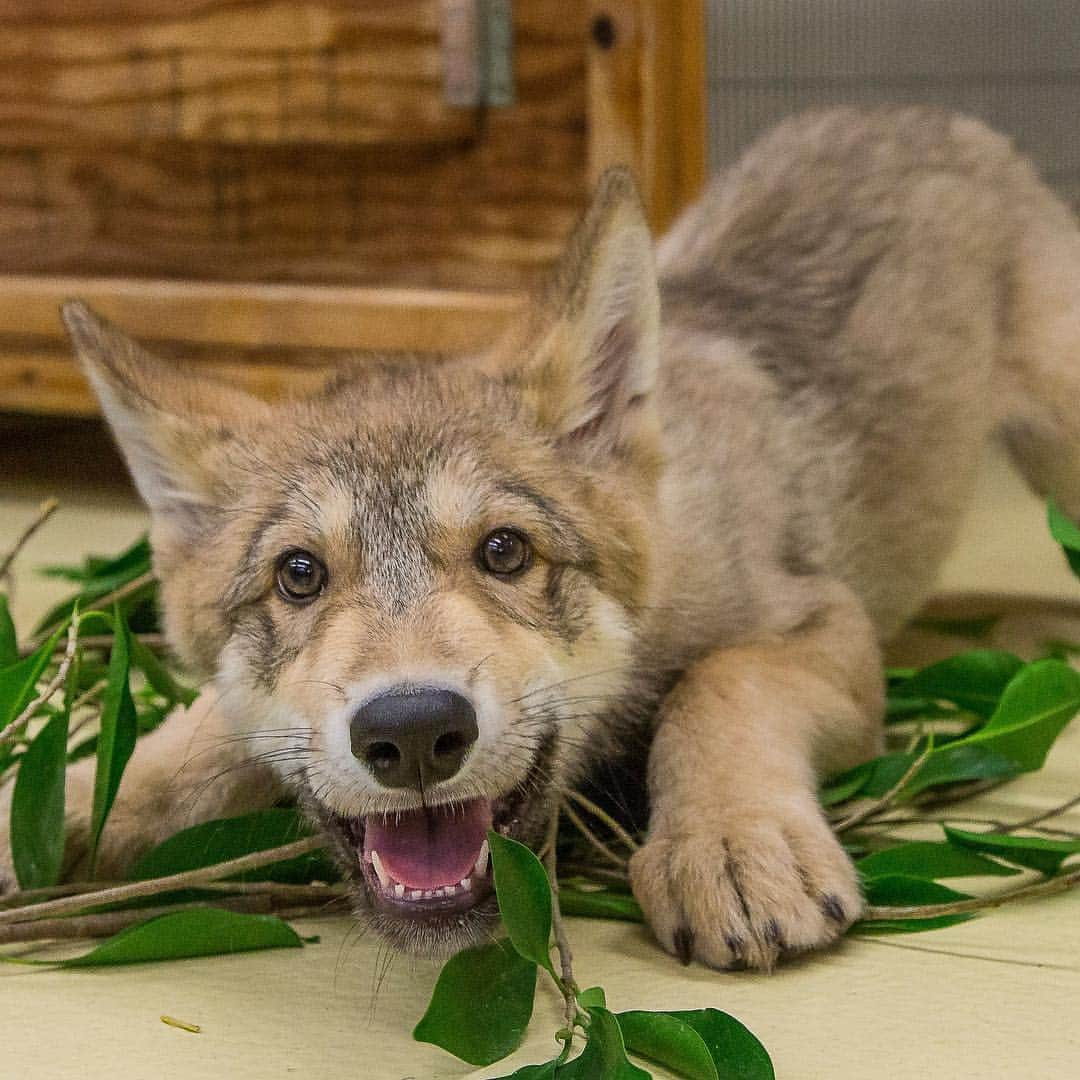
[(735, 965), (834, 909), (684, 944), (773, 934), (734, 943)]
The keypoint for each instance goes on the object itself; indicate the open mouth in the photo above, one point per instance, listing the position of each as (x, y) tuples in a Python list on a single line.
[(428, 861), (431, 864), (425, 873)]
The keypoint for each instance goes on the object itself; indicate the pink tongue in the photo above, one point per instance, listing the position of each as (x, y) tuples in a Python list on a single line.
[(427, 849)]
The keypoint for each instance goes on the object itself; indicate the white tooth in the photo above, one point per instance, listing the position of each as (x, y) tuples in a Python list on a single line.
[(380, 873), (440, 892), (466, 883), (428, 894), (482, 859), (399, 891), (416, 894), (450, 890)]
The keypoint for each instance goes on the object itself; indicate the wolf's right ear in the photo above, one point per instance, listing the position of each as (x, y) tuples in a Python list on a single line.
[(171, 424), (588, 355)]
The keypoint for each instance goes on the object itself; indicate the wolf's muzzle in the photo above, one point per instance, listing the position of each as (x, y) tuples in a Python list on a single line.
[(413, 738)]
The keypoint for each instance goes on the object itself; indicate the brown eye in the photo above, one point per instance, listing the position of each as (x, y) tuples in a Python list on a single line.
[(300, 576), (504, 552)]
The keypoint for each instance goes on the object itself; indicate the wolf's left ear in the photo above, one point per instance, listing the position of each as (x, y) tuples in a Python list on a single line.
[(594, 351), (172, 425)]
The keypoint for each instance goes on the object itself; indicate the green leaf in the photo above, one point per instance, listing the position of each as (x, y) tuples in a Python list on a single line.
[(18, 683), (116, 739), (974, 680), (846, 785), (9, 642), (735, 1049), (592, 997), (952, 763), (521, 885), (181, 935), (217, 841), (978, 627), (1034, 852), (907, 926), (900, 890), (547, 1071), (481, 1004), (599, 904), (134, 560), (929, 860), (1033, 711), (668, 1041), (100, 577), (159, 676), (899, 709), (1065, 532), (1034, 708), (37, 808), (604, 1056)]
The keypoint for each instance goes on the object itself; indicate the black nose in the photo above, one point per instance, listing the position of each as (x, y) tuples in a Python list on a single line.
[(414, 738)]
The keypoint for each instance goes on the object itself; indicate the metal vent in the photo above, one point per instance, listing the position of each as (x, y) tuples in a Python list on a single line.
[(1013, 63)]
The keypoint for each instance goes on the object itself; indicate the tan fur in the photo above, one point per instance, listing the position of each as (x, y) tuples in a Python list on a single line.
[(730, 507)]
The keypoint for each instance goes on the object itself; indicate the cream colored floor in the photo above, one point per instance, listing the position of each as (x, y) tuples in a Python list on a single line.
[(993, 998)]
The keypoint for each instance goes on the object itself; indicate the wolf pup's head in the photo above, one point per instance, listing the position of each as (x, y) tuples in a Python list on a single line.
[(424, 583)]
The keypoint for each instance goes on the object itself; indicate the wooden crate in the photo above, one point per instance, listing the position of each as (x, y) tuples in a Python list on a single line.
[(262, 186)]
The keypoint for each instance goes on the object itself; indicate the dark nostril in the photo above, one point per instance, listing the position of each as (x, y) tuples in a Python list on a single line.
[(414, 738), (382, 756), (452, 743)]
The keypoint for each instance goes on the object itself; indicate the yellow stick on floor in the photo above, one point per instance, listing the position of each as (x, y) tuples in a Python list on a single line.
[(182, 1024)]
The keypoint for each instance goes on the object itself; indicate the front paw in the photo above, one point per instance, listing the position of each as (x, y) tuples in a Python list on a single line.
[(747, 889)]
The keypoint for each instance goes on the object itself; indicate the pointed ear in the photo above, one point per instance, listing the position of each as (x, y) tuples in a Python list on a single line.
[(171, 424), (595, 344)]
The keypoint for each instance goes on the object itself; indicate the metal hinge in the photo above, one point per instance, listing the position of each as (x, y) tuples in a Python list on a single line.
[(478, 52)]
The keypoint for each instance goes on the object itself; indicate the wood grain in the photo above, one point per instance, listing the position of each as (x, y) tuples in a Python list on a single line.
[(271, 339), (263, 188), (646, 98), (233, 71), (263, 316), (203, 141)]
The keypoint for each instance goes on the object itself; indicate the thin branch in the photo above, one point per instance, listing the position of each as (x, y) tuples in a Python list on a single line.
[(886, 824), (857, 817), (13, 730), (958, 792), (598, 873), (279, 891), (1059, 884), (593, 839), (88, 695), (566, 959), (124, 591), (105, 641), (111, 922), (1046, 815), (602, 815), (45, 511), (138, 890), (26, 897), (102, 602)]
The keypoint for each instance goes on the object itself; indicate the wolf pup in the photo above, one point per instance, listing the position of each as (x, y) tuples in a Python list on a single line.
[(428, 596)]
